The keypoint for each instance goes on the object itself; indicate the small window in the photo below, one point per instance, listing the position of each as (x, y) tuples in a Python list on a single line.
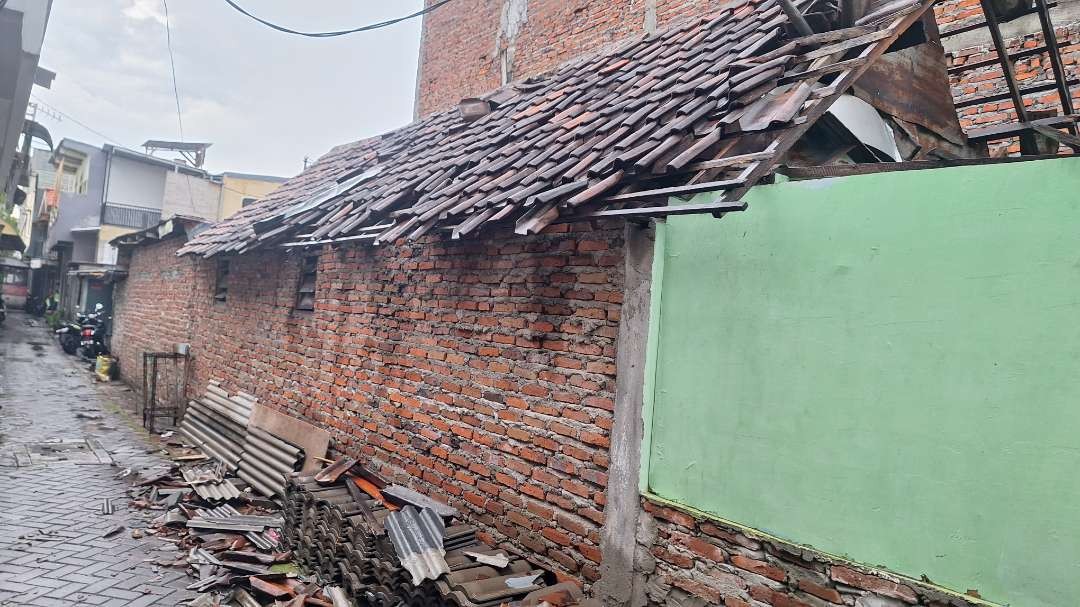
[(247, 201), (305, 291), (221, 283)]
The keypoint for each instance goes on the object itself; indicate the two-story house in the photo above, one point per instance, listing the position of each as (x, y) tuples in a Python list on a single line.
[(90, 195)]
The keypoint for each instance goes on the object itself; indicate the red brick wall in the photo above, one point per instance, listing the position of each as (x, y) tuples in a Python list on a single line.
[(989, 80), (459, 52), (691, 561), (481, 372), (158, 322)]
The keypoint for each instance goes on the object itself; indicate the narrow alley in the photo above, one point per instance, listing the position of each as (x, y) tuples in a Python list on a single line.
[(53, 549)]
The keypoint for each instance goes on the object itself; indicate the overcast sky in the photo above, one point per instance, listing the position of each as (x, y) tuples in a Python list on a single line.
[(263, 98)]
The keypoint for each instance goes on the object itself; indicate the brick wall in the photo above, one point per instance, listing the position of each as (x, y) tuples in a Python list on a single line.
[(481, 372), (152, 309), (690, 561), (1031, 71), (460, 52), (461, 44)]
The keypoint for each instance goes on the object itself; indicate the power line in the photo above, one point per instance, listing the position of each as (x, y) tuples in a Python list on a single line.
[(113, 140), (172, 64), (363, 28), (76, 121)]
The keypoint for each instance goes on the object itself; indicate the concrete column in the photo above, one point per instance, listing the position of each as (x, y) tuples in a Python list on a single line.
[(650, 16), (617, 538)]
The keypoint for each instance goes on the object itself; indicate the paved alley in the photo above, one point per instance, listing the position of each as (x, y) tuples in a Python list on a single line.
[(52, 545)]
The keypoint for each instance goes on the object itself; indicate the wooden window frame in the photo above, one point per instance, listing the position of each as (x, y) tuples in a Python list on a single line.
[(305, 284), (221, 281)]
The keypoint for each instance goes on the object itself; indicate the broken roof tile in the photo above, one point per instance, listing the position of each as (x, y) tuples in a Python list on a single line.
[(603, 123)]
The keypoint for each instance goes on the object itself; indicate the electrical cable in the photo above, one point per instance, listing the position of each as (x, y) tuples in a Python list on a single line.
[(363, 28), (113, 140), (176, 95), (172, 64)]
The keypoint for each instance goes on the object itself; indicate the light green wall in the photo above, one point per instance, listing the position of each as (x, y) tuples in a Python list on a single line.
[(885, 367)]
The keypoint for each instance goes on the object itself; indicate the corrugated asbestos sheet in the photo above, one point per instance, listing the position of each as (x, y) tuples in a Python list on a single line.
[(266, 460), (417, 536), (708, 104), (215, 490), (262, 531), (404, 495), (217, 423)]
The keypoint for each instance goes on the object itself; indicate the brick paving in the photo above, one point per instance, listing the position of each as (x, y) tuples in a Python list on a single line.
[(52, 549)]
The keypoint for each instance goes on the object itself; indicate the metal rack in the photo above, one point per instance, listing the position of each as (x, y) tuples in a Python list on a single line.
[(164, 391)]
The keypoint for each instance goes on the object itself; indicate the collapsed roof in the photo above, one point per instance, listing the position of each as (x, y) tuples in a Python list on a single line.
[(707, 105)]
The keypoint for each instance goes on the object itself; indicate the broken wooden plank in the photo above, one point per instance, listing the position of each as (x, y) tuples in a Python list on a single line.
[(818, 72), (674, 209), (679, 190)]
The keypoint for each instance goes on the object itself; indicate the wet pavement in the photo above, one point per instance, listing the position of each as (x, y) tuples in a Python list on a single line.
[(53, 549)]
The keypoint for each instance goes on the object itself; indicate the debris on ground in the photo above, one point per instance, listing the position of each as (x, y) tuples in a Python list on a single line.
[(359, 534), (255, 521)]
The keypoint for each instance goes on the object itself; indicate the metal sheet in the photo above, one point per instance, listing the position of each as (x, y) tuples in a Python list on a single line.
[(265, 461), (408, 496), (417, 536)]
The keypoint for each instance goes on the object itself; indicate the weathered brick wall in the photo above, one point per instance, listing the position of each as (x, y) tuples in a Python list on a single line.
[(460, 53), (481, 372), (152, 309), (462, 43), (690, 561), (1032, 71)]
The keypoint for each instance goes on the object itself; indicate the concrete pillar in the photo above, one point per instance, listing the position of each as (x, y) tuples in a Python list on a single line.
[(617, 538)]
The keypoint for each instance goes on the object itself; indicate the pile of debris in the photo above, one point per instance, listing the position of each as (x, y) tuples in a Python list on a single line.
[(231, 456), (250, 508), (388, 545), (232, 545)]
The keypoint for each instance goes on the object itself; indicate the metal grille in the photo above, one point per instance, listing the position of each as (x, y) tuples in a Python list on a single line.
[(131, 217), (164, 387)]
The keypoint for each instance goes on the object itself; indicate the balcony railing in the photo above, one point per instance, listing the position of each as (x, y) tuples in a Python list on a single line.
[(130, 217)]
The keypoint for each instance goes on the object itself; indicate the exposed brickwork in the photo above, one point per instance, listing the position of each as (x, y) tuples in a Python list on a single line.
[(481, 372), (687, 560), (460, 52), (143, 324), (989, 80)]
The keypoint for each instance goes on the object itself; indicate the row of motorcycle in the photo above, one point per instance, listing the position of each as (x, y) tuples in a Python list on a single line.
[(85, 336)]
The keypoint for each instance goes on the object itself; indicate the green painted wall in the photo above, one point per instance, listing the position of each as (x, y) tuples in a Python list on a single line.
[(885, 367)]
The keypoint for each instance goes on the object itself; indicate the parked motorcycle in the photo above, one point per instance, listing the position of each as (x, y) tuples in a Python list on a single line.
[(35, 306), (92, 344), (71, 333)]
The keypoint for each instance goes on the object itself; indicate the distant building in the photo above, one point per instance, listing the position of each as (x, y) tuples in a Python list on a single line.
[(87, 196), (238, 190)]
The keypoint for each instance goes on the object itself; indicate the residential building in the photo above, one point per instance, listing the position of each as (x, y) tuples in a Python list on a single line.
[(239, 190), (22, 32), (91, 195)]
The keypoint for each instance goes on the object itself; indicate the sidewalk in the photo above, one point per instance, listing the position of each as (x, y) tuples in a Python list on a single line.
[(52, 546)]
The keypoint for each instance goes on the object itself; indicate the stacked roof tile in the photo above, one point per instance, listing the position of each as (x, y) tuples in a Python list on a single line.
[(708, 104)]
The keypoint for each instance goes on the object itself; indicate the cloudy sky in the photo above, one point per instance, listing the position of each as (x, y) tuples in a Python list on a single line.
[(263, 98)]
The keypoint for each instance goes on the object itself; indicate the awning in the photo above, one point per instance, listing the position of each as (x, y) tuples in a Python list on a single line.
[(10, 239)]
